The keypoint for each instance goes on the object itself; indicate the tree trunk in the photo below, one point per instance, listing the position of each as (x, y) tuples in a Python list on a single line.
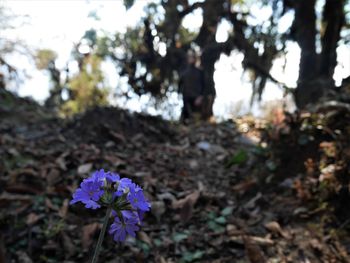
[(305, 34), (316, 70), (211, 50), (333, 20), (305, 19)]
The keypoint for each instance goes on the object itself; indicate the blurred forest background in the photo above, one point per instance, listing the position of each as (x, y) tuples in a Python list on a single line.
[(269, 182), (257, 45)]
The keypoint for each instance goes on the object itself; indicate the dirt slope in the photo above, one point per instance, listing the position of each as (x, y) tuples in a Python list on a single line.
[(208, 184)]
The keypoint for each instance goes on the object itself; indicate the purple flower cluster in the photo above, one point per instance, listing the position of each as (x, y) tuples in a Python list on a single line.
[(126, 199)]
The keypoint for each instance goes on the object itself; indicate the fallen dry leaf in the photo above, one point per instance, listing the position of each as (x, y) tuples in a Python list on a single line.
[(68, 245), (258, 240), (316, 244), (84, 168), (244, 186), (60, 161), (253, 251), (191, 199), (144, 237), (114, 160), (302, 192), (32, 218), (275, 228), (53, 177), (64, 208), (88, 233), (186, 205), (50, 205), (158, 209)]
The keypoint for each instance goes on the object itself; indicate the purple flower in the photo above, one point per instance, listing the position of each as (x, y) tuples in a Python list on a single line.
[(127, 214), (122, 185), (135, 187), (112, 177), (138, 200), (120, 229), (89, 193), (101, 175), (124, 196), (97, 175)]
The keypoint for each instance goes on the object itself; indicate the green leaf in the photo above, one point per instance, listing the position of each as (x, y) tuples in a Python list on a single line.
[(221, 220), (178, 237), (239, 158), (211, 215), (192, 256), (157, 242), (227, 211), (217, 228), (144, 246)]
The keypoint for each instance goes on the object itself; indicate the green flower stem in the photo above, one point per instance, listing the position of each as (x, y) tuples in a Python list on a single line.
[(101, 236)]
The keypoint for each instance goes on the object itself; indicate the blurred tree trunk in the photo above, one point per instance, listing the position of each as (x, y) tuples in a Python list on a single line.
[(333, 20), (305, 24), (316, 69), (213, 10)]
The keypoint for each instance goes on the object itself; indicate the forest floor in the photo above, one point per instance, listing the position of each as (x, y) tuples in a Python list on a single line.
[(219, 193)]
